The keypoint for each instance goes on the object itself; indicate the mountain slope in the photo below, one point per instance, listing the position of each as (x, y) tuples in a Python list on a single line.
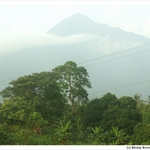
[(79, 23)]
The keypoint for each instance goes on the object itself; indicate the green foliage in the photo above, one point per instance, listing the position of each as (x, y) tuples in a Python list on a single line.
[(118, 137), (62, 134), (130, 114), (15, 111), (36, 119), (6, 139), (146, 117), (141, 134), (18, 135), (96, 108), (37, 92), (35, 112), (79, 132), (27, 137), (97, 136), (40, 140), (73, 80), (109, 111), (142, 106)]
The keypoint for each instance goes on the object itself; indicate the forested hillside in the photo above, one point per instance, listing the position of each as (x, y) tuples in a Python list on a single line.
[(53, 108)]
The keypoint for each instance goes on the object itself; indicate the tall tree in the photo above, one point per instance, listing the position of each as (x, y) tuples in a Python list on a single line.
[(73, 81)]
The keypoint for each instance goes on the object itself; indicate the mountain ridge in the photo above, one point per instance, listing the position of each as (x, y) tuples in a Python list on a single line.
[(79, 23)]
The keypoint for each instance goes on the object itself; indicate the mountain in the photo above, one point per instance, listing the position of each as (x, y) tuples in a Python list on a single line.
[(80, 39), (79, 23)]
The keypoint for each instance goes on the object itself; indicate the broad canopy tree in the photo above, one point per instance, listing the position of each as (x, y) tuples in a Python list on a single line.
[(30, 86), (38, 91), (73, 80), (48, 92)]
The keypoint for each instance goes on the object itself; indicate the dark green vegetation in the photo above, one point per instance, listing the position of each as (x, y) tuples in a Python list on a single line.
[(52, 108)]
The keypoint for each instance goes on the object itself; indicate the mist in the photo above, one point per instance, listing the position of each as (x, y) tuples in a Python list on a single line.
[(14, 41)]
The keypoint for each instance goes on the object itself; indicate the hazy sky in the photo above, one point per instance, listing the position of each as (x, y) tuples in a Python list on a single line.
[(22, 21)]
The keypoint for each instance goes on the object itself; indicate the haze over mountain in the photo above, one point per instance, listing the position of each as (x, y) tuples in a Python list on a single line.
[(80, 39)]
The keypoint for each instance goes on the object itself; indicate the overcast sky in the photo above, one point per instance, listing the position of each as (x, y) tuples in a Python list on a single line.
[(21, 20)]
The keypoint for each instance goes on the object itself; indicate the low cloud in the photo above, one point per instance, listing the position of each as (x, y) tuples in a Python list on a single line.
[(16, 40)]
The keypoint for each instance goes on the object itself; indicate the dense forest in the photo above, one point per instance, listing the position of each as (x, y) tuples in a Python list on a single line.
[(52, 108)]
